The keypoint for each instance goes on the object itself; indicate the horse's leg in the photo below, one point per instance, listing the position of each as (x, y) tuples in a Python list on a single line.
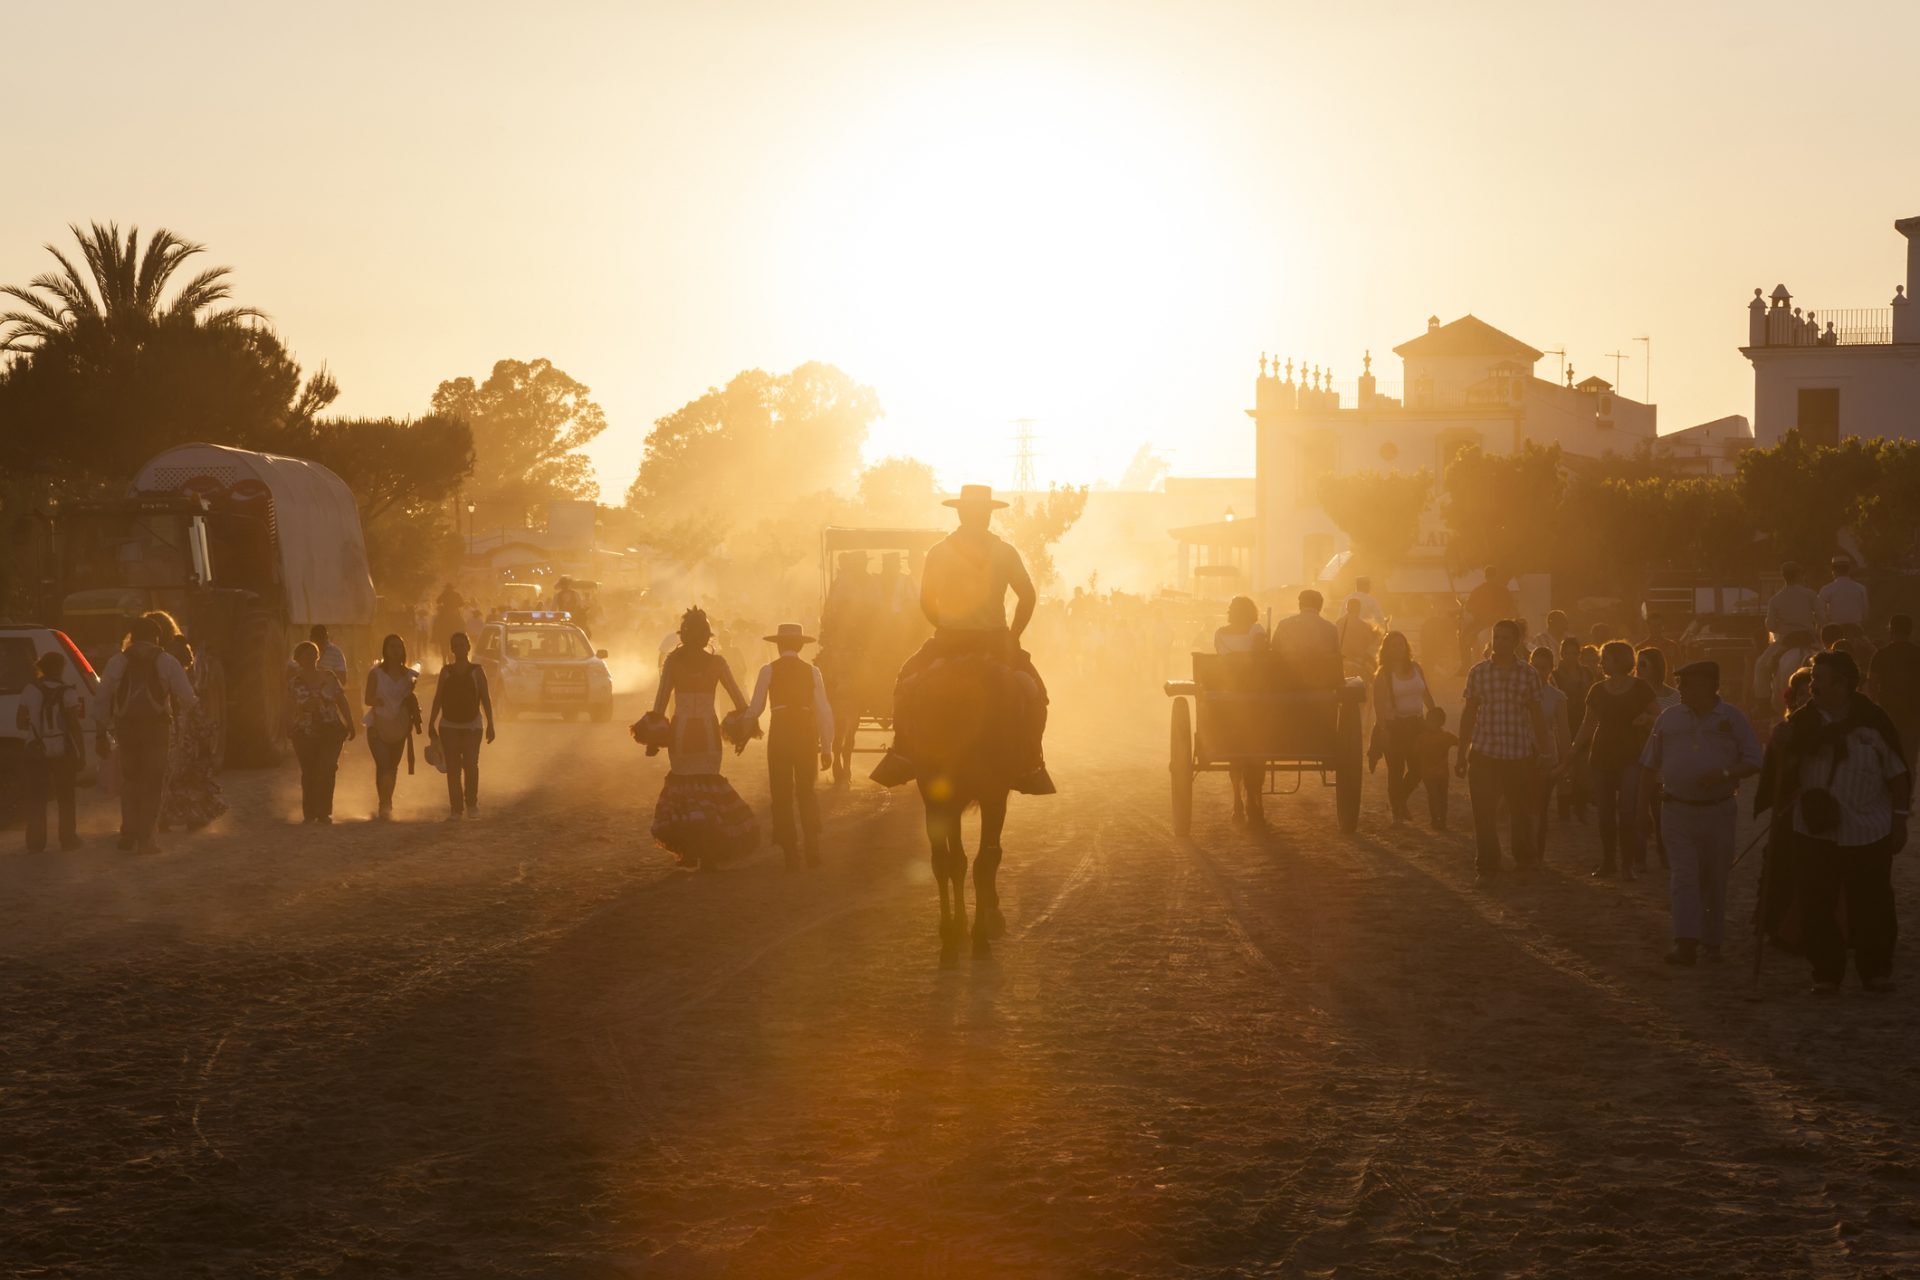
[(941, 839), (988, 923)]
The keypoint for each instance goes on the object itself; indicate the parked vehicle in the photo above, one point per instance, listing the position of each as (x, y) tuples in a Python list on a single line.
[(539, 661)]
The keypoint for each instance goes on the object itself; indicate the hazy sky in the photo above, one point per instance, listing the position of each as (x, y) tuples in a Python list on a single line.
[(1092, 215)]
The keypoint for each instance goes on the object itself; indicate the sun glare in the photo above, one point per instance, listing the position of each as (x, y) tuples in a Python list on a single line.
[(1005, 247)]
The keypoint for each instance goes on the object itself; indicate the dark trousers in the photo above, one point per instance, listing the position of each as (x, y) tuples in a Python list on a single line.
[(319, 756), (386, 766), (792, 764), (1616, 797), (1437, 801), (462, 750), (1516, 783), (50, 779), (143, 775), (1862, 878), (1403, 776)]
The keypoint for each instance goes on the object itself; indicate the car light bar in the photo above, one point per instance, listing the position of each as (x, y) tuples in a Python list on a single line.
[(537, 615)]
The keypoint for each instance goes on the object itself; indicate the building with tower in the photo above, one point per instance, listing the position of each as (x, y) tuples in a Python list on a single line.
[(1464, 383), (1835, 374)]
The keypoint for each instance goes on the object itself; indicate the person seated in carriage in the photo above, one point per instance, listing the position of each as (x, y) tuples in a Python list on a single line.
[(963, 593)]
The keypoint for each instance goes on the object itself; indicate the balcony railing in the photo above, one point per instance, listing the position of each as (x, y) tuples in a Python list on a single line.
[(1858, 327)]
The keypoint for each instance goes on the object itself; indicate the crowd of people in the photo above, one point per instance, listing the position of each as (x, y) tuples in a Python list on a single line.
[(1657, 755)]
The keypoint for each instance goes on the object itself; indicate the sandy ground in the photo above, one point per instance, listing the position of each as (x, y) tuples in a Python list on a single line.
[(528, 1046)]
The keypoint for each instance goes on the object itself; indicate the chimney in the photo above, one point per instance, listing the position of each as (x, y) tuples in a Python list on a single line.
[(1433, 322), (1906, 315)]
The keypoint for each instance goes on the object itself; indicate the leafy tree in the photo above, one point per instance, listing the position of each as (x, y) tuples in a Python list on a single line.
[(119, 298), (1379, 511), (900, 492), (529, 422), (1498, 507), (726, 462), (89, 414), (1800, 497), (1033, 524)]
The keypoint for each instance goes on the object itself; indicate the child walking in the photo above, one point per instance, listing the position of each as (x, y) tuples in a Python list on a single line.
[(1434, 746), (802, 727)]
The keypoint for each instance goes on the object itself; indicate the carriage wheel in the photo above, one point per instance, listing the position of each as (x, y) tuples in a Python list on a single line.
[(1346, 767), (1180, 765)]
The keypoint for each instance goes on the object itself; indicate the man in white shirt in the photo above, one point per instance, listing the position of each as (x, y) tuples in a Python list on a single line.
[(143, 689), (1843, 601), (802, 729), (1309, 642), (1793, 619), (1370, 609), (331, 658)]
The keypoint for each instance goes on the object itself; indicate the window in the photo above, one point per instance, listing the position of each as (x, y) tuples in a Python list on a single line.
[(1820, 415)]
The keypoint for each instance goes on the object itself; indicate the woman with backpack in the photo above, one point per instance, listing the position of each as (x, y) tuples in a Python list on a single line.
[(56, 749), (140, 691), (322, 721), (393, 715), (460, 699), (192, 796)]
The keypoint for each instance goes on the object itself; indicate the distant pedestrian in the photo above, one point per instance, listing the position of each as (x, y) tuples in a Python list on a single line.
[(1793, 622), (1435, 743), (1553, 705), (192, 797), (462, 712), (332, 659), (393, 717), (1696, 755), (1573, 677), (1893, 681), (1620, 710), (139, 695), (1843, 601), (1370, 609), (1485, 605), (1849, 791), (797, 739), (1359, 642), (1506, 737), (1401, 700), (322, 721), (1244, 634), (52, 716)]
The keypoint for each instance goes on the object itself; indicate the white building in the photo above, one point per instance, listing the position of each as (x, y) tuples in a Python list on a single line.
[(1710, 449), (1835, 374), (1466, 383)]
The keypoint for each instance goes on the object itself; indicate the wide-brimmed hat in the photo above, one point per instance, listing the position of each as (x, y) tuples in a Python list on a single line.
[(975, 495), (789, 633)]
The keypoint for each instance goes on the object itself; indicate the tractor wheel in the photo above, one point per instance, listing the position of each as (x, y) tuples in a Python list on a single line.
[(1180, 765), (256, 692)]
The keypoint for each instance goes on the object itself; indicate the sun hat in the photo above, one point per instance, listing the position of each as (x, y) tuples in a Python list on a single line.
[(975, 495), (789, 633)]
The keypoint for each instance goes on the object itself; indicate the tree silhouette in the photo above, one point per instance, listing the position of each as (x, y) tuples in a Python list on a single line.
[(119, 296), (529, 421)]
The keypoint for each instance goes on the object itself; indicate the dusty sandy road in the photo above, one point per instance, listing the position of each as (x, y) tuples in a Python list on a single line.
[(526, 1046)]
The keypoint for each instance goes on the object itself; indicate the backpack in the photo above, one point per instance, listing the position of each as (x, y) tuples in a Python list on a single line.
[(55, 718), (459, 694), (140, 696)]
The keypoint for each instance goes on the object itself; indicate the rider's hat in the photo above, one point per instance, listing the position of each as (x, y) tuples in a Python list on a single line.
[(789, 633), (1705, 669), (975, 495)]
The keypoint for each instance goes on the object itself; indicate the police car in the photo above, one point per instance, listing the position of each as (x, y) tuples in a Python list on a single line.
[(537, 660)]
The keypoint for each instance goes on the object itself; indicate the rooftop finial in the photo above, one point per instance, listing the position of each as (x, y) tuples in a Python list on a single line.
[(1263, 364), (1289, 368), (1366, 363), (1569, 371)]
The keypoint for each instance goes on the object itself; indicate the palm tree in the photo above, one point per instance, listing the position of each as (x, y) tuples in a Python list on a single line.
[(119, 294)]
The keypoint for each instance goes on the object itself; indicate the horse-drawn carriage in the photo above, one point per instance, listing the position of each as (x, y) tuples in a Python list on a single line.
[(869, 624), (1262, 709)]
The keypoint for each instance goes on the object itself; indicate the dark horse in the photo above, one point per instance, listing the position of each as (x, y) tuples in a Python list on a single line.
[(965, 740)]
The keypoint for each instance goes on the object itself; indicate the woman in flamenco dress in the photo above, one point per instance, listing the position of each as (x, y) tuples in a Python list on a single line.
[(699, 818)]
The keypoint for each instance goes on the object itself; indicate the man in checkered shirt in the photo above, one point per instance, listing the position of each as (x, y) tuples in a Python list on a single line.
[(1507, 745)]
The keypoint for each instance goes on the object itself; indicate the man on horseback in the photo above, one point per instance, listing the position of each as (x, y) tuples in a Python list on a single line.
[(1793, 619), (963, 593)]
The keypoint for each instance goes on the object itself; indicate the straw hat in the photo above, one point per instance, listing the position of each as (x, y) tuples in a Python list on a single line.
[(975, 495), (789, 633)]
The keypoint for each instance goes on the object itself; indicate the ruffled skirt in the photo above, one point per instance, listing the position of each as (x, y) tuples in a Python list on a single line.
[(702, 819)]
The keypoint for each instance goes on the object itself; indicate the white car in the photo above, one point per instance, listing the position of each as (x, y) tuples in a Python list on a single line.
[(21, 647), (537, 660)]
